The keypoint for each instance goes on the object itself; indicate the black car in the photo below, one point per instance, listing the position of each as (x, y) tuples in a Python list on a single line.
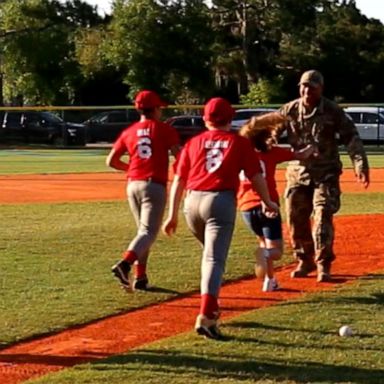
[(39, 127), (107, 126), (187, 126)]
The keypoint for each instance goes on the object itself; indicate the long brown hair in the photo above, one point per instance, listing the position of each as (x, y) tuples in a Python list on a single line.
[(261, 129)]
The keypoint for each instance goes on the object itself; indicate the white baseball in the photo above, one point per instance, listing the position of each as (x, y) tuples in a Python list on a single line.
[(345, 331)]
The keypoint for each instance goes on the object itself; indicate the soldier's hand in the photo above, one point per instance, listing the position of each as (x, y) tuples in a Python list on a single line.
[(308, 151), (363, 177)]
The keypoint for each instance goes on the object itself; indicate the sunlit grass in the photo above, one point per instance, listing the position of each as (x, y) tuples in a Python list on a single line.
[(52, 161), (55, 265), (39, 161), (292, 343), (55, 262)]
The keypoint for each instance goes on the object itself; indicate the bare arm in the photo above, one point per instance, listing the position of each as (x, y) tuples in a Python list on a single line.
[(260, 186), (177, 189), (114, 161)]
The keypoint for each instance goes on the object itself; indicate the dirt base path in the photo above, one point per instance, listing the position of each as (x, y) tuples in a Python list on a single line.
[(16, 189), (103, 338)]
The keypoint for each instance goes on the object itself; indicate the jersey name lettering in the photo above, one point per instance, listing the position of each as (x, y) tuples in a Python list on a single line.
[(143, 132), (209, 144)]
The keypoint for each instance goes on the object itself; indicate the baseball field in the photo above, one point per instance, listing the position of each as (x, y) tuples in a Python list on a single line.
[(64, 319)]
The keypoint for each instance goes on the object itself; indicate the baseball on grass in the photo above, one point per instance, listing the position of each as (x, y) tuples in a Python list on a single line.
[(345, 331)]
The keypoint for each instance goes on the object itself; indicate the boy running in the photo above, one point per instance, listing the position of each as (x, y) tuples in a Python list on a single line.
[(208, 168), (147, 144)]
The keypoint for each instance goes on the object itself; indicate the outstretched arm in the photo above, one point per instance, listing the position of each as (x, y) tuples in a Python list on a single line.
[(260, 186)]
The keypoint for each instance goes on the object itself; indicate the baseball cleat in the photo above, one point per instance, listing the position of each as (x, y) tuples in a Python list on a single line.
[(121, 270), (140, 284), (207, 327)]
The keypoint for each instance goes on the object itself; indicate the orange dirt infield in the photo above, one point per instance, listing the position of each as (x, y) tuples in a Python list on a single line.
[(103, 338), (17, 189)]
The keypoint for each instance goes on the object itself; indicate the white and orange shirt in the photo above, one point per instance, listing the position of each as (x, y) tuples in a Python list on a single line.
[(247, 198)]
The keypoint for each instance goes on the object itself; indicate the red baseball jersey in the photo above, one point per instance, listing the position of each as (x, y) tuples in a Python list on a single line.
[(247, 198), (212, 160), (147, 144)]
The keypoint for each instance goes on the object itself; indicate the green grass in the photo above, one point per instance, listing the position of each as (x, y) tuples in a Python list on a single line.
[(55, 261), (376, 160), (293, 342), (361, 203), (55, 264), (33, 161), (52, 161)]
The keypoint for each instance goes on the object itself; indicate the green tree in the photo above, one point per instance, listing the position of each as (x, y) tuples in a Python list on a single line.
[(249, 35), (337, 39), (264, 92), (162, 45), (39, 63)]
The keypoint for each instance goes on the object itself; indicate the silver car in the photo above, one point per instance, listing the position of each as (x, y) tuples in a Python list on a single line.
[(369, 122), (243, 115)]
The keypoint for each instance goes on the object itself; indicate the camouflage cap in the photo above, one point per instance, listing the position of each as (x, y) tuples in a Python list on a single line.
[(312, 77)]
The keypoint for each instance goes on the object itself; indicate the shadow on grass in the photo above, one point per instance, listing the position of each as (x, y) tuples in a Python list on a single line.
[(264, 327), (379, 276), (374, 298), (162, 290), (51, 360), (222, 367)]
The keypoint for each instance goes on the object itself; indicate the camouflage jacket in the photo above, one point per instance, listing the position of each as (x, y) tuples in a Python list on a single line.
[(325, 127)]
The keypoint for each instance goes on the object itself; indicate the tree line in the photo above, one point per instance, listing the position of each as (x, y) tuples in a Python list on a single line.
[(250, 51)]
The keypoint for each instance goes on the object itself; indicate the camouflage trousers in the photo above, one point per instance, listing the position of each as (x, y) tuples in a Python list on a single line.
[(310, 209)]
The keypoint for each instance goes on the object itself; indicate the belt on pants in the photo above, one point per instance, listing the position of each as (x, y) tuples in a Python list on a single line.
[(149, 180)]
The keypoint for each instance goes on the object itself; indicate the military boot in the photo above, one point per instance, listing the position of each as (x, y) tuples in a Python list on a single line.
[(303, 269), (324, 272)]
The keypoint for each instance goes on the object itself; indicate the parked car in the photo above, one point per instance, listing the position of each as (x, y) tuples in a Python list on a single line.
[(243, 115), (107, 126), (187, 126), (39, 127), (369, 122)]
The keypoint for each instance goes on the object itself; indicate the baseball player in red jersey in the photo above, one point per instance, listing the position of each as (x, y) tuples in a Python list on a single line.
[(208, 168), (268, 228), (147, 144)]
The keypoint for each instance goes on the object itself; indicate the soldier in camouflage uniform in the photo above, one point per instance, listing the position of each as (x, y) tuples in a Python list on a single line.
[(313, 184)]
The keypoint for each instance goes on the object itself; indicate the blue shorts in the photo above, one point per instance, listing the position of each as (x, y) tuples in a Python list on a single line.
[(262, 226)]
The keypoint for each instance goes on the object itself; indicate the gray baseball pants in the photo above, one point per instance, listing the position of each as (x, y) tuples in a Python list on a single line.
[(211, 218), (147, 201)]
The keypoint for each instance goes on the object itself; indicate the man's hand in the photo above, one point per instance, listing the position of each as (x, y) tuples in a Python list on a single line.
[(308, 151), (363, 177)]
